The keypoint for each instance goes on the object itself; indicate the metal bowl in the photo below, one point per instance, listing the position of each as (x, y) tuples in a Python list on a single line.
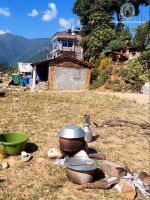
[(81, 170), (71, 132), (81, 164)]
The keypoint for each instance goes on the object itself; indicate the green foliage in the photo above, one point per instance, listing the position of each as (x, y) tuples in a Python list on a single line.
[(105, 61), (121, 42), (122, 72), (141, 36), (102, 78), (145, 58), (98, 28), (137, 75), (114, 85), (5, 68)]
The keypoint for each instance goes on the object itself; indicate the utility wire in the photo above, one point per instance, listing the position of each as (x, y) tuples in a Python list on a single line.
[(23, 12)]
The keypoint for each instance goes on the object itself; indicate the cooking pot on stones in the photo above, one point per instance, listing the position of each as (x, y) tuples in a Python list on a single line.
[(81, 170), (71, 139)]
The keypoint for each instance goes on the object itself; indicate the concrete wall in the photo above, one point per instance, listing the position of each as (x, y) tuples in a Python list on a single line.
[(66, 78)]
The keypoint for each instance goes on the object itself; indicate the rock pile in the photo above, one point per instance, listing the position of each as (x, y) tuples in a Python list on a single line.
[(41, 86)]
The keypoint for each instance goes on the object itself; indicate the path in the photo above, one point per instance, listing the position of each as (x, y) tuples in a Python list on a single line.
[(139, 98)]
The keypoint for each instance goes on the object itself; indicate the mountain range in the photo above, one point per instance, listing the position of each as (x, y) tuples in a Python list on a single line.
[(14, 48)]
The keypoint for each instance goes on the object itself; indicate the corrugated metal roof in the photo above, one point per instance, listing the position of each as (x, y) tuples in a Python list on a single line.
[(61, 59)]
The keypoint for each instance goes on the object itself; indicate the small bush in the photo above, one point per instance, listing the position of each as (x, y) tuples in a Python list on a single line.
[(102, 78), (122, 72), (137, 75), (114, 85)]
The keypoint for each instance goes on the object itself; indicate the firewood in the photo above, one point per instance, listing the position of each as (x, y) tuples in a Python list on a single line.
[(102, 184), (120, 122)]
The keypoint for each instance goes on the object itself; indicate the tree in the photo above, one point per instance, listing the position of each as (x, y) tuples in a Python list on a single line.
[(5, 68), (142, 37), (96, 17), (121, 42)]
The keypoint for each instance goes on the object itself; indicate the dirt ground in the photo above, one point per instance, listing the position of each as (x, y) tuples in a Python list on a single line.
[(139, 98), (42, 115)]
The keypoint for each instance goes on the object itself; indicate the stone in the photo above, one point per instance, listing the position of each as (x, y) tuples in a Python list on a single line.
[(146, 88), (5, 165), (81, 153), (23, 154), (55, 153), (127, 189), (26, 157), (113, 169), (16, 100), (98, 156), (145, 177)]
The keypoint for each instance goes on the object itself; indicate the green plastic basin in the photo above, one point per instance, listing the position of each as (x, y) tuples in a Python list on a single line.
[(13, 143)]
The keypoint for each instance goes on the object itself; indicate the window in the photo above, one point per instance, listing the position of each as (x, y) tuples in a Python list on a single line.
[(67, 43)]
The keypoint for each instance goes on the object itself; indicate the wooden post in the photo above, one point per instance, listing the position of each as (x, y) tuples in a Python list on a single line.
[(88, 76), (34, 78), (51, 78)]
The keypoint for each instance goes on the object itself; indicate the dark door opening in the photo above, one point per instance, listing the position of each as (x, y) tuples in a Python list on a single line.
[(42, 72)]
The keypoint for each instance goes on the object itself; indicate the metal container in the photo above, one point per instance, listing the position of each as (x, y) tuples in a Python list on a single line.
[(81, 170), (71, 139), (71, 132), (86, 127), (88, 133)]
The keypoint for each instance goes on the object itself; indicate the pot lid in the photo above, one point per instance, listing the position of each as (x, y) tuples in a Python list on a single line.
[(81, 164), (71, 132)]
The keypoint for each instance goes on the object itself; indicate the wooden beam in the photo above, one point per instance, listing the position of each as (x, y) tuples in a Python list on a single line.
[(51, 78), (88, 77)]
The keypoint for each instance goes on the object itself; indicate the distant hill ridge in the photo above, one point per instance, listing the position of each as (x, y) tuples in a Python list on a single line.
[(14, 48)]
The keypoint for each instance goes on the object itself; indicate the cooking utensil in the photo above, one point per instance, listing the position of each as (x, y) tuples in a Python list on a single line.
[(81, 170), (71, 132), (71, 139)]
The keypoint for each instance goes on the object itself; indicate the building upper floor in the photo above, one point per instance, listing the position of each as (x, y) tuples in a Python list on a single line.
[(67, 42)]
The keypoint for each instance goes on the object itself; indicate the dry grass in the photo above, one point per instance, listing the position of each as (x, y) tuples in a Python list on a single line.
[(42, 115)]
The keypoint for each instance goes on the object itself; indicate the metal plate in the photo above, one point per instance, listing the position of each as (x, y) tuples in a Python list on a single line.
[(71, 132), (81, 164)]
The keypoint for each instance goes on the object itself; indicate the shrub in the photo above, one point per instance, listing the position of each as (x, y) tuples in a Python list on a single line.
[(137, 75), (105, 61), (101, 79), (114, 85), (122, 72), (6, 68)]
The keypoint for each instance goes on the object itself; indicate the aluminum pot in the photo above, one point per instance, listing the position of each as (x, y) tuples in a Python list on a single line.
[(71, 139), (81, 170)]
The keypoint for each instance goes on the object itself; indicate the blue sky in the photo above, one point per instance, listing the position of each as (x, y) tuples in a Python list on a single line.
[(42, 18)]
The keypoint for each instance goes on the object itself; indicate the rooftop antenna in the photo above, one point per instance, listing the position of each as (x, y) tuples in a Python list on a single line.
[(72, 28)]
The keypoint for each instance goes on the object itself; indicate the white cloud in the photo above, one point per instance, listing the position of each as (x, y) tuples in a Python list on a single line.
[(4, 12), (66, 24), (4, 31), (33, 13), (50, 14)]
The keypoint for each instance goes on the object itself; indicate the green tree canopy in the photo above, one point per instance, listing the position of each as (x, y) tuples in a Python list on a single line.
[(121, 42), (96, 17), (142, 36)]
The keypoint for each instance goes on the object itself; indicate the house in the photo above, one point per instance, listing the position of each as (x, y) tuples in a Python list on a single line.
[(133, 53), (67, 43), (62, 73), (25, 68)]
